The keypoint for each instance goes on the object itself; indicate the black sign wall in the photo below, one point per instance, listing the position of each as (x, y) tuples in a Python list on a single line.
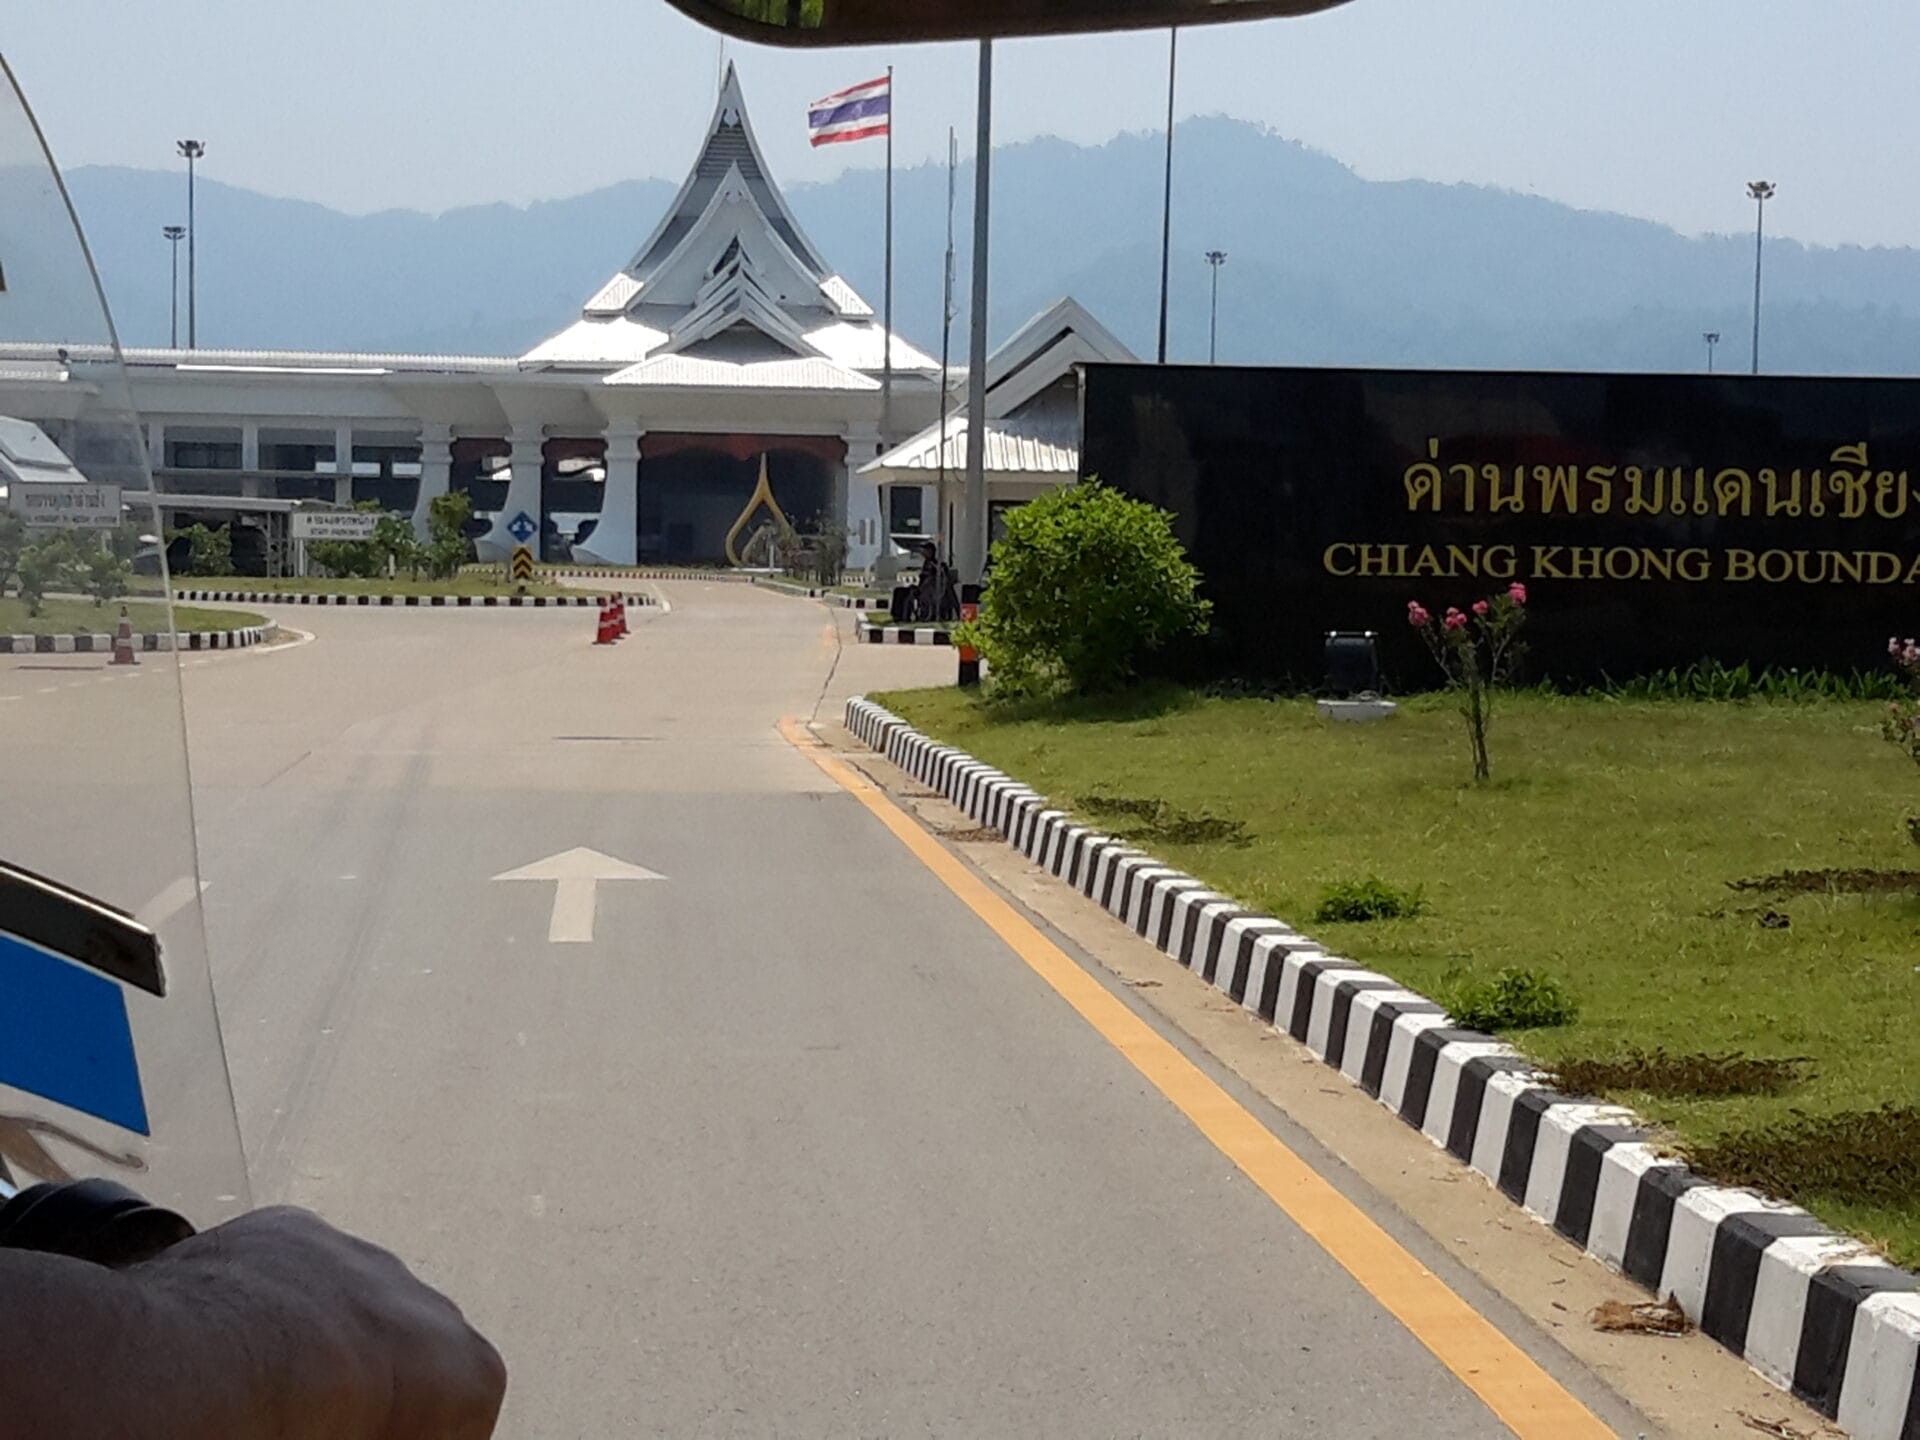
[(1655, 519)]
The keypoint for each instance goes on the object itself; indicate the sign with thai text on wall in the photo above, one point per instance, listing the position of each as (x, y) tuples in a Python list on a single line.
[(333, 525), (1655, 519), (65, 504)]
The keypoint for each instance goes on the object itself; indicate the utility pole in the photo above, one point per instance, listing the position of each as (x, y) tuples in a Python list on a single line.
[(190, 151), (1166, 199), (1761, 191), (1215, 259), (175, 234), (1712, 337)]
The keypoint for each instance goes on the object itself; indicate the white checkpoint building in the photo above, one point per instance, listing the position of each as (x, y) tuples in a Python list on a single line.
[(637, 433)]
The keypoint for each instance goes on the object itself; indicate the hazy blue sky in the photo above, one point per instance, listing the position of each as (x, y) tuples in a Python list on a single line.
[(1650, 107)]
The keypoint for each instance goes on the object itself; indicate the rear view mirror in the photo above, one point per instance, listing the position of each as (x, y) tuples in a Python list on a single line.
[(868, 22)]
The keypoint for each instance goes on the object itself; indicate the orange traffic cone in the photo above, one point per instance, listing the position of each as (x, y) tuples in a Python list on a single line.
[(620, 614), (123, 642), (609, 631)]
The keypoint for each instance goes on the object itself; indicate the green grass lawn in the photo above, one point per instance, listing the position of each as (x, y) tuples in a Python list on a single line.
[(83, 617), (1601, 853), (468, 582)]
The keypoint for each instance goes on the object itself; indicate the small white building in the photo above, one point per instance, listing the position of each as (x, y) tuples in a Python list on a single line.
[(635, 434)]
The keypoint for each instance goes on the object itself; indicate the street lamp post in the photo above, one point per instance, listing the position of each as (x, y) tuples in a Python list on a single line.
[(1215, 259), (175, 234), (190, 151), (1712, 337), (1760, 191)]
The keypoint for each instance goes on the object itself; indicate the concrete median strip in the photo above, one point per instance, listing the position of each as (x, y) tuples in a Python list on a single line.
[(151, 641), (481, 602), (1811, 1310)]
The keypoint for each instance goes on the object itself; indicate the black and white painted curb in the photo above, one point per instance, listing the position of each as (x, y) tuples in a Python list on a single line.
[(1811, 1310), (482, 602), (905, 634), (601, 572), (827, 597), (103, 644)]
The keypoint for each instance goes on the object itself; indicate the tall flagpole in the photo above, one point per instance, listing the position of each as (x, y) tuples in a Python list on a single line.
[(886, 363), (942, 526)]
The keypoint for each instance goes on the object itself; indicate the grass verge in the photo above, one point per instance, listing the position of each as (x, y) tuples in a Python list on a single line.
[(1652, 858), (466, 583), (83, 617)]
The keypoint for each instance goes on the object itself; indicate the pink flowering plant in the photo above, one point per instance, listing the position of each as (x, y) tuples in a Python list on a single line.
[(1477, 652), (1902, 725)]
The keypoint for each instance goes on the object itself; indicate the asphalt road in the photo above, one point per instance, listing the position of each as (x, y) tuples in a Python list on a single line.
[(794, 1145)]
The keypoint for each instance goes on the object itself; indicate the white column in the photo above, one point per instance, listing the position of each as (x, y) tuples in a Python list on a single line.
[(250, 485), (860, 499), (436, 471), (616, 538), (343, 464), (523, 497)]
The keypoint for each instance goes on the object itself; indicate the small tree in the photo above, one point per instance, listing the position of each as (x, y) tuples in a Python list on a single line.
[(447, 517), (1477, 654), (209, 552), (1088, 585), (13, 540), (829, 555), (106, 572), (398, 546), (45, 565)]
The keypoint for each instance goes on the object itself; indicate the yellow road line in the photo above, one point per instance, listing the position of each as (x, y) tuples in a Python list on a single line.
[(1528, 1400)]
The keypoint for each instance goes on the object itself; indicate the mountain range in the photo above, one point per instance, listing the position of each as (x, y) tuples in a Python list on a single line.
[(1324, 267)]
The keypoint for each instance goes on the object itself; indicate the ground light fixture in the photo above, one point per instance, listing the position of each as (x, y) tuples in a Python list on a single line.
[(1353, 662)]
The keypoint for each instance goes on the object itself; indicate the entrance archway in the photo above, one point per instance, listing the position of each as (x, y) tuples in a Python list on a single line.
[(693, 488)]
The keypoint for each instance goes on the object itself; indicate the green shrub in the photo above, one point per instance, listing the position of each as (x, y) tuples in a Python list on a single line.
[(1357, 901), (209, 552), (1088, 584), (1511, 999), (1716, 680)]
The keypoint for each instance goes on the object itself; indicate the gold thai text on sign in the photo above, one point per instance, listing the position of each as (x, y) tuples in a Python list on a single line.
[(1848, 488)]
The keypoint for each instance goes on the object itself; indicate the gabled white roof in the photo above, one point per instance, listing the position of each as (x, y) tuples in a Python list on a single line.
[(1043, 350), (1029, 433), (596, 343), (809, 373), (864, 347), (1013, 450)]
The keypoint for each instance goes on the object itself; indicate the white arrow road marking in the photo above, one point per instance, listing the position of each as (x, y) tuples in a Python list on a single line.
[(576, 874)]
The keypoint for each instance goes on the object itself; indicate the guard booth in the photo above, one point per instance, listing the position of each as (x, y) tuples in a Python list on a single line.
[(263, 542)]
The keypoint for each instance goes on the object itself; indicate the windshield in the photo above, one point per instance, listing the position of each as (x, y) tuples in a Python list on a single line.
[(101, 1076)]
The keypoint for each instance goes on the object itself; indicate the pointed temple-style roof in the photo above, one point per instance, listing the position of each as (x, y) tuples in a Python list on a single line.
[(727, 277)]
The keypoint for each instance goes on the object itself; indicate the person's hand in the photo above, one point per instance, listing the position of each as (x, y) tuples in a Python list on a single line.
[(364, 1348)]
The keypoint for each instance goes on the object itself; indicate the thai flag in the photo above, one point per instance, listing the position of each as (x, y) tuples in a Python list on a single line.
[(857, 113)]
